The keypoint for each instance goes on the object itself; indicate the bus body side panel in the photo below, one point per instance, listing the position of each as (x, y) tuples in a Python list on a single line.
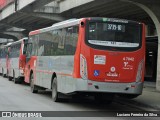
[(9, 66), (144, 50), (14, 66), (0, 66), (22, 57), (30, 66), (3, 64), (62, 66), (67, 69), (44, 71), (66, 82), (69, 78), (4, 59)]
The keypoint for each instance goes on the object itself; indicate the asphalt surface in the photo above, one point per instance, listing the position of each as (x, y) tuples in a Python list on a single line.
[(18, 97)]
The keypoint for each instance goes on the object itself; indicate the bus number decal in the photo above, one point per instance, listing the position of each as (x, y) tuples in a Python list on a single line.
[(127, 63), (128, 59)]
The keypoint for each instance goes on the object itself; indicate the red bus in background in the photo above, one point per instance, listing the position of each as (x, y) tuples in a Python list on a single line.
[(101, 57), (4, 59), (17, 60)]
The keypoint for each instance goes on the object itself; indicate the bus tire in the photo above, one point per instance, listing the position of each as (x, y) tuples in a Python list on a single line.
[(1, 72), (55, 93), (7, 75), (33, 87), (14, 78), (3, 75), (9, 78)]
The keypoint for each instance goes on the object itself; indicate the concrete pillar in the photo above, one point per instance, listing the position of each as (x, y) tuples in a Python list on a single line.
[(150, 31), (154, 12)]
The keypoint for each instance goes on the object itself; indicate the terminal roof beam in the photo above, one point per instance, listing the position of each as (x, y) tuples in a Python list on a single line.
[(8, 36), (50, 16), (36, 5)]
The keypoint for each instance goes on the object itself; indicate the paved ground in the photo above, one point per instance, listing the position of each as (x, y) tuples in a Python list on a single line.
[(17, 97)]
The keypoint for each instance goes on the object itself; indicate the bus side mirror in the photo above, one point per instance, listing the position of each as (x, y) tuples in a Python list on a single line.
[(82, 24)]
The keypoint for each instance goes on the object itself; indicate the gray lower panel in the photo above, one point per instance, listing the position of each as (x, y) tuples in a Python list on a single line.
[(126, 88)]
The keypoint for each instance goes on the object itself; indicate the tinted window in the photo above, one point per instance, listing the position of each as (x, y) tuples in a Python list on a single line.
[(15, 50), (32, 46), (58, 42), (3, 52), (108, 35)]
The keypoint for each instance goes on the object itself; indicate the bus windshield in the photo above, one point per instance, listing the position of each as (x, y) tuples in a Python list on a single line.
[(121, 36)]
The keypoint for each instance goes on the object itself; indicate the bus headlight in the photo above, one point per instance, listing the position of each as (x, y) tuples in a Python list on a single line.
[(139, 71), (83, 67)]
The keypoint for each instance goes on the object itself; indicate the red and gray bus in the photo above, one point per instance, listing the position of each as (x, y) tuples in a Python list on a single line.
[(4, 59), (17, 60), (102, 57)]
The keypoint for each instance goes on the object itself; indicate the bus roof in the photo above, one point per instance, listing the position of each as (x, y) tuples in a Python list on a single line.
[(71, 22), (19, 41), (59, 25), (8, 44), (4, 46)]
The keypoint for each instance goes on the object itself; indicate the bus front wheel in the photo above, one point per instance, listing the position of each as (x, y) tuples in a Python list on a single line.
[(33, 87), (14, 78), (55, 93), (3, 75), (9, 78)]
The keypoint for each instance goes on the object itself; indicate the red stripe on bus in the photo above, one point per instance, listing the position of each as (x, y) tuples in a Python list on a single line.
[(63, 74), (34, 32), (44, 71)]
